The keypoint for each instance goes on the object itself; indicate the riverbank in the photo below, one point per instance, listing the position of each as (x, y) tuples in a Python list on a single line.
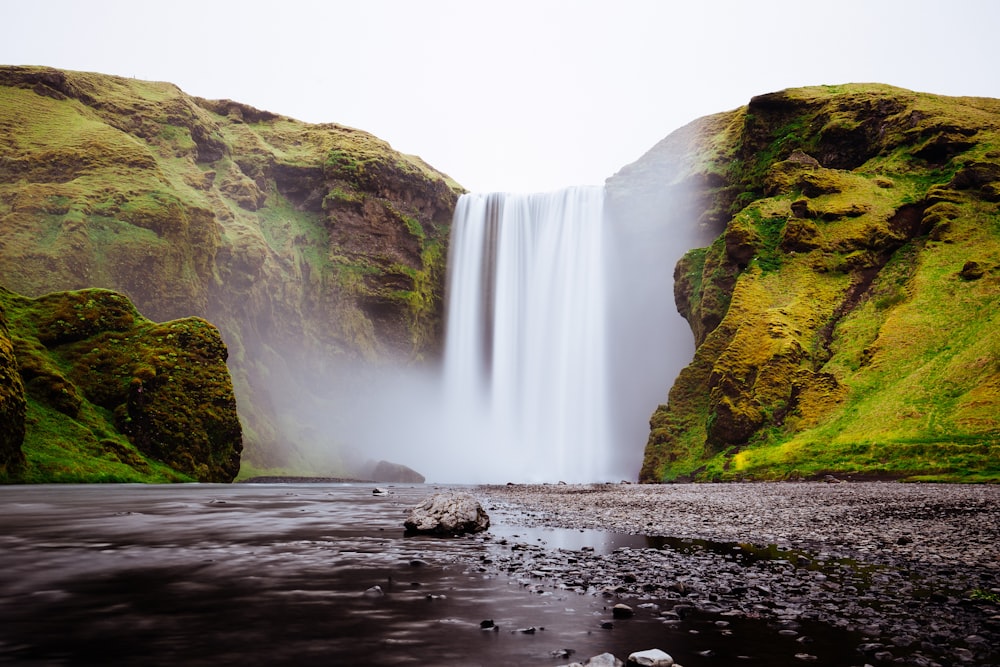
[(910, 569)]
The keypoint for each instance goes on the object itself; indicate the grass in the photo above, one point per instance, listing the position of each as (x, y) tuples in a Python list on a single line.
[(59, 449), (188, 209), (894, 369)]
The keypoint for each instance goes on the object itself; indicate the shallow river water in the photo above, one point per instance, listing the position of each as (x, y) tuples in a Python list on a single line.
[(278, 574)]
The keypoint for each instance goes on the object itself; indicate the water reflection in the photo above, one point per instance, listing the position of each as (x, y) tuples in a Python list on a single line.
[(265, 575)]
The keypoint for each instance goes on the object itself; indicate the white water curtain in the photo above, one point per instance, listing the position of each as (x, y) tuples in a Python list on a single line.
[(525, 356)]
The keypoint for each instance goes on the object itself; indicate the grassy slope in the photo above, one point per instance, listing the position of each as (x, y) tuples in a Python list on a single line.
[(284, 234), (843, 339)]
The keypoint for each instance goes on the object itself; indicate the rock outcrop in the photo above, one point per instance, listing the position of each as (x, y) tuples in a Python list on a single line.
[(844, 310), (107, 395), (387, 471), (311, 247)]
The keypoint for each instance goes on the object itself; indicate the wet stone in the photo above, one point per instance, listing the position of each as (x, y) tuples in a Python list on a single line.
[(621, 611)]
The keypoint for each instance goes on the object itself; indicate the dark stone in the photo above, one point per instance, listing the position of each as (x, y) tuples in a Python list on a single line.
[(976, 175), (741, 244), (800, 208), (804, 159), (972, 271), (620, 611)]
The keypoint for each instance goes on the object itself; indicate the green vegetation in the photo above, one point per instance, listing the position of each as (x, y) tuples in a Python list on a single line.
[(114, 397), (855, 339), (299, 241)]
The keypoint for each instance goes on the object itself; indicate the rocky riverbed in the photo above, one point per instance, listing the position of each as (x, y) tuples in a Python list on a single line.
[(910, 572)]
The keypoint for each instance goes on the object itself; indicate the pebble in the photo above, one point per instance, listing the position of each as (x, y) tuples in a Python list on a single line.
[(622, 611), (896, 563)]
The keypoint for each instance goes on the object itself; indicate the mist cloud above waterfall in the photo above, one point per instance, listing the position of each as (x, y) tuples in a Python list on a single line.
[(526, 95)]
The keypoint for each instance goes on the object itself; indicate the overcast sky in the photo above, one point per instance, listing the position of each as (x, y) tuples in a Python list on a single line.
[(514, 95)]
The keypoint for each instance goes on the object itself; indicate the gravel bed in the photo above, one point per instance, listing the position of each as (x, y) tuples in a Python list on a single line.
[(912, 569)]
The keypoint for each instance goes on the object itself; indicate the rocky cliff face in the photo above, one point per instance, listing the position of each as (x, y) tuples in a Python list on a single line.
[(845, 311), (100, 393), (309, 246)]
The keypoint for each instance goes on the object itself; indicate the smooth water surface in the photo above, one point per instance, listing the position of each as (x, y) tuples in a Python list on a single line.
[(281, 574)]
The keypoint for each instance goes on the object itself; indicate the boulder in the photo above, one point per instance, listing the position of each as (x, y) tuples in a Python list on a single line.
[(653, 657), (448, 513)]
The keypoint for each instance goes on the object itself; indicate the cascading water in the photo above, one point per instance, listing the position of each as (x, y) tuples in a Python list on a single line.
[(525, 354)]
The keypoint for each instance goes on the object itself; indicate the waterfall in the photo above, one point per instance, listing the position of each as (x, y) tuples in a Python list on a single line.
[(525, 366)]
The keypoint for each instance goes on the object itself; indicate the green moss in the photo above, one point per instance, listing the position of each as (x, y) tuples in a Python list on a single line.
[(769, 230), (189, 206), (343, 164), (60, 449), (115, 397), (850, 343)]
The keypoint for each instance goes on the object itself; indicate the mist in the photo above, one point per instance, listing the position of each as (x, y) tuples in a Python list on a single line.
[(338, 416)]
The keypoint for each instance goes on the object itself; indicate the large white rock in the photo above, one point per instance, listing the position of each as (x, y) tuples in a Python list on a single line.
[(653, 657), (448, 513)]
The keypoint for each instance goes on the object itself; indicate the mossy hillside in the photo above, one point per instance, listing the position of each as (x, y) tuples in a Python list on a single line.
[(845, 316), (112, 396), (301, 242), (12, 404)]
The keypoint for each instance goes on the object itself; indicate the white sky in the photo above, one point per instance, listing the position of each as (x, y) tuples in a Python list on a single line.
[(514, 95)]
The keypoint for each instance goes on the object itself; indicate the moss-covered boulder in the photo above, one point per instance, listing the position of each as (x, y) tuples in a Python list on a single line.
[(845, 312), (311, 247), (112, 396)]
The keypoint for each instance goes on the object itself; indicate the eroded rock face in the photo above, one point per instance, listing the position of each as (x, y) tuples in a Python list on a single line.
[(448, 513)]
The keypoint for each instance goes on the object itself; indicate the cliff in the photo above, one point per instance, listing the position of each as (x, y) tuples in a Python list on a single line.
[(845, 306), (93, 391), (311, 247)]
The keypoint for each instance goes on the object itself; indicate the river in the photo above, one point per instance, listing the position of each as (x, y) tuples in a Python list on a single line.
[(271, 574)]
